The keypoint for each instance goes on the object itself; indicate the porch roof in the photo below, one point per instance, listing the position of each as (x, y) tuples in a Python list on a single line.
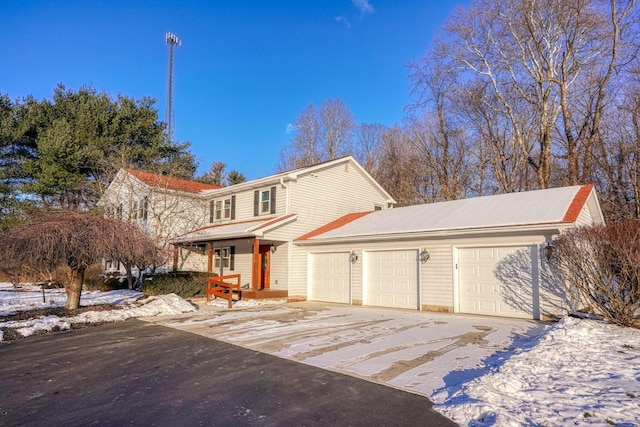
[(234, 230)]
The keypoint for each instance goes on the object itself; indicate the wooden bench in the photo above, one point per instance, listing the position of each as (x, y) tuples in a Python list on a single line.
[(223, 287)]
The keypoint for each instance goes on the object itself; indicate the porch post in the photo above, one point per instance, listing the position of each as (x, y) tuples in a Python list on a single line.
[(255, 271), (175, 258), (209, 257)]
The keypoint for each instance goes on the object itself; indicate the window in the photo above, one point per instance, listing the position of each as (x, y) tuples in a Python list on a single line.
[(134, 210), (265, 198), (140, 209), (264, 202), (222, 209), (223, 258), (226, 206), (218, 210)]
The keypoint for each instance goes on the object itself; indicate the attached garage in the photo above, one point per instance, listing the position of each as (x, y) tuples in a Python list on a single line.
[(329, 277), (392, 279), (497, 281), (479, 255)]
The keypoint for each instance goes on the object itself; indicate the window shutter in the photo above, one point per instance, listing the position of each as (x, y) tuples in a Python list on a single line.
[(256, 203), (273, 200), (232, 257), (233, 207), (211, 211)]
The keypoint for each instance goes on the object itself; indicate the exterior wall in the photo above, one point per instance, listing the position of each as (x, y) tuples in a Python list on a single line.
[(319, 198), (437, 276), (169, 213), (244, 203)]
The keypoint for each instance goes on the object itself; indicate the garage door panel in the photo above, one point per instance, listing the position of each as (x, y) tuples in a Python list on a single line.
[(330, 277), (392, 279), (485, 290)]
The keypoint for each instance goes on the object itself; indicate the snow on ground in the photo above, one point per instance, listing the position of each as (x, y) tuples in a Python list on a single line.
[(580, 372), (30, 298), (490, 372)]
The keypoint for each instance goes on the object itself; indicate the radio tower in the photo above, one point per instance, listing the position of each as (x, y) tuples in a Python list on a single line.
[(172, 40)]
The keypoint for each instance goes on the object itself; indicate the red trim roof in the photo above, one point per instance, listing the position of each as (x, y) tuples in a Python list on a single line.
[(577, 203), (334, 224), (172, 183), (276, 220)]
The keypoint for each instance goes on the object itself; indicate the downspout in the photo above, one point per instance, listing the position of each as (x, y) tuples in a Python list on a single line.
[(283, 185)]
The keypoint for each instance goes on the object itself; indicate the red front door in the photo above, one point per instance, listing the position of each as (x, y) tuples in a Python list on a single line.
[(265, 267)]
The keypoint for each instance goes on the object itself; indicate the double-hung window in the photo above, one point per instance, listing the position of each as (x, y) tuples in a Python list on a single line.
[(223, 259), (264, 202), (222, 209)]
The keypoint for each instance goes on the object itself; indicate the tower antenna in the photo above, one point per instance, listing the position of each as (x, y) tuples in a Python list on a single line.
[(172, 40)]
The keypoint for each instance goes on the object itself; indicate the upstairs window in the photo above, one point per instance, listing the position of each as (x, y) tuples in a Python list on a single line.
[(264, 202), (140, 209), (265, 199), (222, 209)]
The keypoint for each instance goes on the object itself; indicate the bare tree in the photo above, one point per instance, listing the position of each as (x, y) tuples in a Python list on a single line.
[(320, 135), (216, 174), (400, 170), (72, 241), (366, 145), (545, 68)]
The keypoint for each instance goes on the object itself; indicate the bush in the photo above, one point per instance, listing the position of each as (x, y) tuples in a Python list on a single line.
[(113, 282), (185, 284), (601, 265), (93, 278)]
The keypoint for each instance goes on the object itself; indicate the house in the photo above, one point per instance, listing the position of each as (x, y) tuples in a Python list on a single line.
[(248, 228), (325, 233), (481, 255), (162, 205)]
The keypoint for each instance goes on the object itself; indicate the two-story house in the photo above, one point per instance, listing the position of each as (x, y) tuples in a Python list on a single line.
[(247, 228)]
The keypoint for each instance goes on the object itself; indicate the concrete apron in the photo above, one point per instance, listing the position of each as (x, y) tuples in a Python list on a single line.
[(431, 354)]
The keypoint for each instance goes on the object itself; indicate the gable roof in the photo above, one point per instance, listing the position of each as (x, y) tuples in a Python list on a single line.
[(540, 207), (171, 183), (294, 174)]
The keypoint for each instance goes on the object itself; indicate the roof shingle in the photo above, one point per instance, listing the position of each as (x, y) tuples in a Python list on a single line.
[(171, 183)]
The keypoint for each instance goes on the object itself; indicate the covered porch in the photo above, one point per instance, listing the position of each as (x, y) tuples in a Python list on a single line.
[(240, 255)]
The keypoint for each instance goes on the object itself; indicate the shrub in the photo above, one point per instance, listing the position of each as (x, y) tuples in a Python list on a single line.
[(601, 265), (93, 278), (185, 284), (113, 282)]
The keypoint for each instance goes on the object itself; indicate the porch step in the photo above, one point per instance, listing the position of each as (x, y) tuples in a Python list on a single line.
[(262, 294)]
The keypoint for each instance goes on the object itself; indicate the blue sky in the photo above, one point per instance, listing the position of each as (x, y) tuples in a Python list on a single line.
[(244, 71)]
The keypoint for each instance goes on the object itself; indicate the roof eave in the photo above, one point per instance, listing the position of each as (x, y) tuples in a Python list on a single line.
[(552, 228)]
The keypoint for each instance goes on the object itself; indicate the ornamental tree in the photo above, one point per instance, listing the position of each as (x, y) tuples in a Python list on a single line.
[(71, 241)]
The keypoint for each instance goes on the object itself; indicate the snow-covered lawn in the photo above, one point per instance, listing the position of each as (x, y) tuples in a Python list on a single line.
[(574, 372), (30, 298)]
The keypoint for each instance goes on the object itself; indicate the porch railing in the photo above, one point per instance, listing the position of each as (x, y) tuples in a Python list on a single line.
[(223, 287)]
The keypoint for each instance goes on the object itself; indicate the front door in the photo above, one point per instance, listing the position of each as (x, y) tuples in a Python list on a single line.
[(265, 267)]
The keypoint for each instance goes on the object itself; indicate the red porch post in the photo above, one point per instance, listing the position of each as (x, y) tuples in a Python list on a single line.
[(175, 258), (209, 257), (255, 270)]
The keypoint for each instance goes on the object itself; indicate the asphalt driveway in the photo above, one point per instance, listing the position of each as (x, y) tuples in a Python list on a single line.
[(138, 373), (431, 354)]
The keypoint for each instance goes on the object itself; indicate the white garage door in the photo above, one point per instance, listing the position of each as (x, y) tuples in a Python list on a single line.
[(392, 279), (496, 281), (329, 274)]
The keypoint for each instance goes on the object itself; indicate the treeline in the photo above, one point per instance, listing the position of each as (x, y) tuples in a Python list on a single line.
[(515, 95), (62, 153)]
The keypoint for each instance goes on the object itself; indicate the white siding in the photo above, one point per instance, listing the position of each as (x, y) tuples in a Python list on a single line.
[(438, 275)]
